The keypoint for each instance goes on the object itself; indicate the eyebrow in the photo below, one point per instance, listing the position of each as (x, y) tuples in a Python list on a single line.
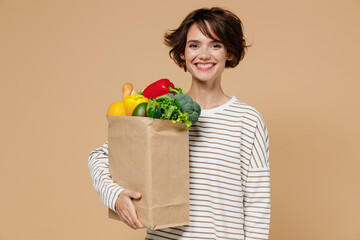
[(196, 41)]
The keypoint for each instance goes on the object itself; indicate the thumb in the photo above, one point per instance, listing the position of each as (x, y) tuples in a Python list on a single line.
[(135, 195)]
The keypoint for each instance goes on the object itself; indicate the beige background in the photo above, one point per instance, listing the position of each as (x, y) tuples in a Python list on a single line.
[(64, 62)]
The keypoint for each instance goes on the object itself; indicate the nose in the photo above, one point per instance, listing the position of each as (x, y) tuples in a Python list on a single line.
[(204, 54)]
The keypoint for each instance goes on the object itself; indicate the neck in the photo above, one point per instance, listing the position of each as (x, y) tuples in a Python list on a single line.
[(207, 94)]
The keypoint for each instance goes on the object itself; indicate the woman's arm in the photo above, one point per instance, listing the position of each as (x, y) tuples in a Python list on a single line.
[(98, 164), (113, 196), (257, 187)]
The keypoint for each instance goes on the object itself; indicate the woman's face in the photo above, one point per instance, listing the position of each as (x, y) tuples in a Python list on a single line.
[(205, 58)]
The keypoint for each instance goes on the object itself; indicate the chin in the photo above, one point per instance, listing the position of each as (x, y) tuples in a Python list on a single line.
[(205, 77), (201, 79)]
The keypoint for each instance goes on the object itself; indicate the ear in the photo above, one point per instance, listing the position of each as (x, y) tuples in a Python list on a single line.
[(230, 57), (182, 56)]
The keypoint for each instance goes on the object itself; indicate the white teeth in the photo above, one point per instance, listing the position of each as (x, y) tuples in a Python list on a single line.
[(205, 65)]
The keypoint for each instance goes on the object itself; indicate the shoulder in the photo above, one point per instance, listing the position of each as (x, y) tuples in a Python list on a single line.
[(247, 111)]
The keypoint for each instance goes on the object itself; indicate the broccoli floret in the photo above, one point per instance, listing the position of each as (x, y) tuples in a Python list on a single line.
[(187, 105), (196, 107), (170, 95), (193, 117), (196, 112)]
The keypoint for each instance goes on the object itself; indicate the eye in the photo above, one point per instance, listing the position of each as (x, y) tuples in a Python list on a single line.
[(193, 45), (216, 45)]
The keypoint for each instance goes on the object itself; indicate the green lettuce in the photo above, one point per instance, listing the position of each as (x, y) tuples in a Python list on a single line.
[(165, 107)]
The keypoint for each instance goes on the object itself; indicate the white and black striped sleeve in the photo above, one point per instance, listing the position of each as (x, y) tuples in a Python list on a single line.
[(257, 187), (98, 164)]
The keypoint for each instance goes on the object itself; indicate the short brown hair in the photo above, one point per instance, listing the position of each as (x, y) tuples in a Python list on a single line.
[(226, 26)]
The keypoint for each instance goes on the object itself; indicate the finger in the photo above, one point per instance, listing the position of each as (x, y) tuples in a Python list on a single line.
[(135, 195), (127, 213), (127, 220), (138, 224), (135, 219), (132, 224)]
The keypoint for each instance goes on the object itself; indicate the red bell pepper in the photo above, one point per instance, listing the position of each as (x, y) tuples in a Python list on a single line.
[(159, 88)]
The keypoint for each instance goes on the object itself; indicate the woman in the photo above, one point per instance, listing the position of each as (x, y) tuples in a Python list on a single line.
[(229, 145)]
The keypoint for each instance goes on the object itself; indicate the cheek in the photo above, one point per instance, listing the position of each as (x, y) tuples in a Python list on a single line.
[(222, 56), (189, 55)]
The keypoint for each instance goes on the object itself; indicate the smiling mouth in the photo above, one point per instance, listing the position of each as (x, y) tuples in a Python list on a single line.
[(204, 66)]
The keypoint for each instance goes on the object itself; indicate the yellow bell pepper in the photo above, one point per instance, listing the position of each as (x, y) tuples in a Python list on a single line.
[(131, 101)]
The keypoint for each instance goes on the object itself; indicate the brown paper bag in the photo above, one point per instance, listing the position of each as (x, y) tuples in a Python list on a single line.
[(151, 156)]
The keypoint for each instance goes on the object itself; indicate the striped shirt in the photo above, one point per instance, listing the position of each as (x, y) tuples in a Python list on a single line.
[(229, 176)]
